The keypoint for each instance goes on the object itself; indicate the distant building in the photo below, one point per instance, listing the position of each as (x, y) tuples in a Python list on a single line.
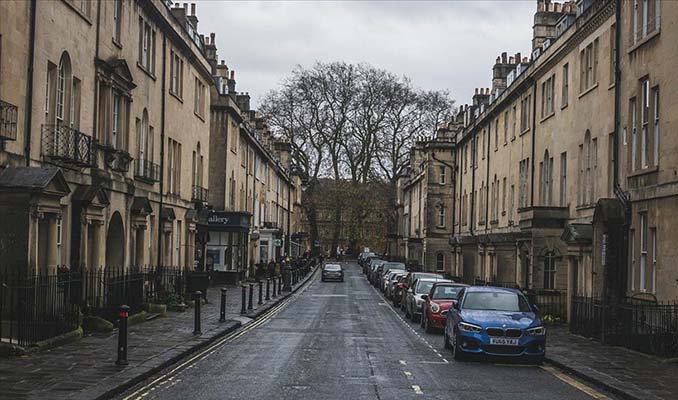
[(426, 204)]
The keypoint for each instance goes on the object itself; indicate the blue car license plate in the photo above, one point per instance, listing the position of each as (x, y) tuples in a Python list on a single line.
[(504, 341)]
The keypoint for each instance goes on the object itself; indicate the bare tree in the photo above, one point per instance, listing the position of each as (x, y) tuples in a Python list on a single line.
[(355, 124)]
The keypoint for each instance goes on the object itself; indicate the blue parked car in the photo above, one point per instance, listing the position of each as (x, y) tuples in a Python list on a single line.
[(496, 322)]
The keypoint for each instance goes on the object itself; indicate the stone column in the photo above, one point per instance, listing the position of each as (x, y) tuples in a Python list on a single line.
[(52, 250), (98, 252), (139, 252), (84, 245)]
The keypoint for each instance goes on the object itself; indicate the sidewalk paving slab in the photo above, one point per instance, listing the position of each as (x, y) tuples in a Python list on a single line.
[(86, 369), (624, 373)]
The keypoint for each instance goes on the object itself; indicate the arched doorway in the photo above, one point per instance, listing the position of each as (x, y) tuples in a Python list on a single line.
[(115, 243)]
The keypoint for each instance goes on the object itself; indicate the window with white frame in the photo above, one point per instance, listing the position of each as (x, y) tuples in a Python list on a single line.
[(653, 277), (643, 252), (440, 262), (566, 85), (550, 270), (506, 126), (634, 132), (632, 272), (146, 46), (503, 197), (117, 20), (547, 91), (563, 179), (199, 98), (645, 121), (588, 67), (176, 74), (646, 19), (655, 113)]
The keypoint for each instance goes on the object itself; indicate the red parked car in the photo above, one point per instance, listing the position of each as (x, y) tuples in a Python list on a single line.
[(437, 303)]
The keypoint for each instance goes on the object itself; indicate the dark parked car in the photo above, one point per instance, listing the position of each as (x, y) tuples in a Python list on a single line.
[(494, 321), (332, 272)]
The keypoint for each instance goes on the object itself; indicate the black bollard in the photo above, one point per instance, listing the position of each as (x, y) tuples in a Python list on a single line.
[(268, 289), (196, 320), (249, 303), (243, 310), (122, 335), (275, 287), (222, 312), (261, 293)]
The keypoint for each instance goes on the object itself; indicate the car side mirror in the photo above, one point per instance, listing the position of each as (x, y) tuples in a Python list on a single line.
[(455, 304), (424, 297)]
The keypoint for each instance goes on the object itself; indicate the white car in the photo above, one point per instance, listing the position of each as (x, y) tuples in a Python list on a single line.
[(413, 301)]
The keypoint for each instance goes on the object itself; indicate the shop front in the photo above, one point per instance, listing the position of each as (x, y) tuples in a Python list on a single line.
[(227, 246)]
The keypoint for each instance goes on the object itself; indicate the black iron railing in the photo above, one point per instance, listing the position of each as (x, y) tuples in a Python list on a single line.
[(649, 327), (37, 307), (68, 145), (199, 193), (147, 170), (8, 118)]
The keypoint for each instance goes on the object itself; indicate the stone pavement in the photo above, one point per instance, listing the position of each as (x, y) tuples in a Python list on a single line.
[(86, 369), (623, 372)]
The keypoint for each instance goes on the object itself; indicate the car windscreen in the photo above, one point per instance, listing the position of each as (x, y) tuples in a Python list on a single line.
[(331, 267), (495, 301), (394, 266), (424, 286), (446, 292)]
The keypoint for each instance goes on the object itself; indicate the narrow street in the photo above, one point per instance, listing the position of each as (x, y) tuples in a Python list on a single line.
[(343, 341)]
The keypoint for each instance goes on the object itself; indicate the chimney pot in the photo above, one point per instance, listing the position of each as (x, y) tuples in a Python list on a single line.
[(186, 8), (540, 5), (511, 61), (524, 59), (223, 62), (476, 90), (518, 58), (503, 57), (233, 75), (192, 8), (212, 35), (498, 60)]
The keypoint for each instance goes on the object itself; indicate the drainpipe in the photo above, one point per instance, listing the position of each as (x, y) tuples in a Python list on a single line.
[(530, 264), (487, 177), (162, 148), (96, 85), (28, 113), (474, 144)]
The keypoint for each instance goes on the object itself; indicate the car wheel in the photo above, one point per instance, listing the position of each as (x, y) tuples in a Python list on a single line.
[(427, 326), (456, 353)]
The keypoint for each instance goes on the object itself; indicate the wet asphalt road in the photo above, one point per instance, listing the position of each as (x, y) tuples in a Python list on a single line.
[(344, 341)]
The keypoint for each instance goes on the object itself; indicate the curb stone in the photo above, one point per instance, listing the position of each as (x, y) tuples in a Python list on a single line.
[(233, 326), (613, 389)]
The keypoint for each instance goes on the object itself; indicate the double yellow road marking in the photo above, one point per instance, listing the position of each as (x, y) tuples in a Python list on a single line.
[(170, 375)]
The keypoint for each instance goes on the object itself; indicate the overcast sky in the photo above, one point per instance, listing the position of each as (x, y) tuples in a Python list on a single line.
[(439, 45)]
